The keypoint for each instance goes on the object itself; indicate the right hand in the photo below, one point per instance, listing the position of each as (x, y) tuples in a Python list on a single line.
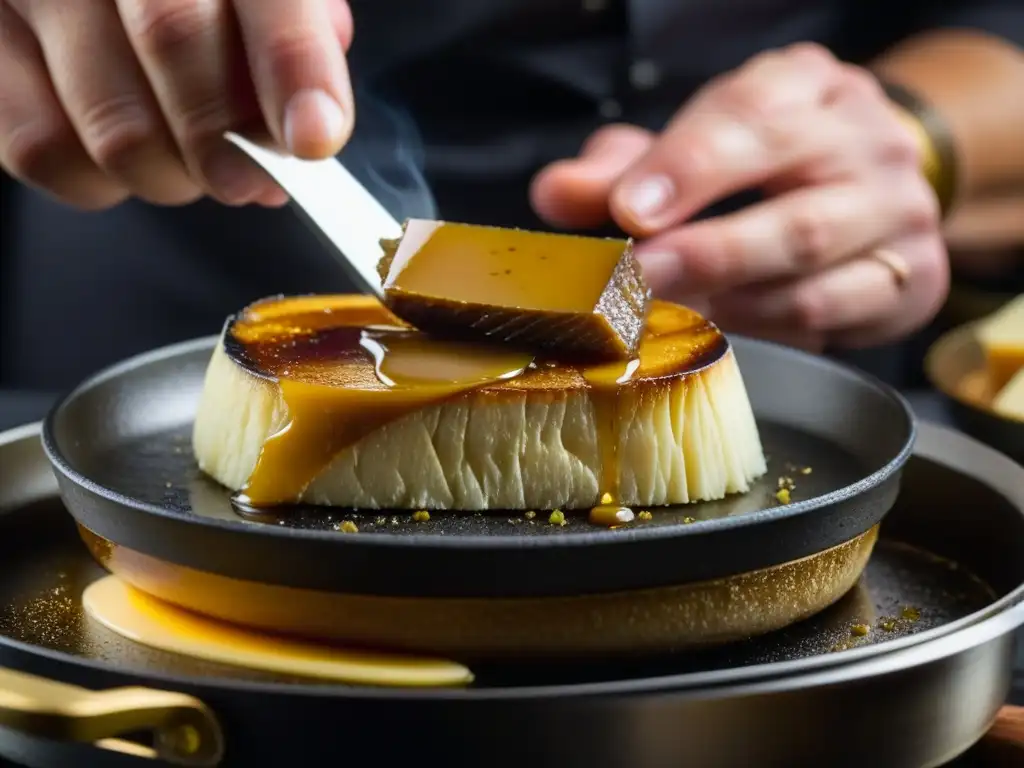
[(105, 99)]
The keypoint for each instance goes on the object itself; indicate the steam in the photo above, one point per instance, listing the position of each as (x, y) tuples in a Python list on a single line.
[(386, 155)]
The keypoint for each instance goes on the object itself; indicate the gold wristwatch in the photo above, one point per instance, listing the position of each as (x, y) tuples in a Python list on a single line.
[(938, 150)]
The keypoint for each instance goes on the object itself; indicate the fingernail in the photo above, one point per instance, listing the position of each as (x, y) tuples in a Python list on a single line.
[(233, 176), (660, 268), (314, 124), (648, 197)]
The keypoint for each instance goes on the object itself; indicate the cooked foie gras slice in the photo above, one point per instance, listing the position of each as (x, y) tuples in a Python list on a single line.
[(558, 294), (329, 400)]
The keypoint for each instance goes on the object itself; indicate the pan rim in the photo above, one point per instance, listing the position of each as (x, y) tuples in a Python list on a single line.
[(437, 543), (985, 625)]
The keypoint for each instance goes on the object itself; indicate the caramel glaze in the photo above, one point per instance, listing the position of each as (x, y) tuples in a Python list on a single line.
[(346, 366)]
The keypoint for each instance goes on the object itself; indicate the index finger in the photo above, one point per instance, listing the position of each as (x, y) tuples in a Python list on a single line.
[(297, 61), (738, 133)]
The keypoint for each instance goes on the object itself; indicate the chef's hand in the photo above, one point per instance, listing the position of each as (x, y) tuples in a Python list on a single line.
[(100, 100), (845, 249)]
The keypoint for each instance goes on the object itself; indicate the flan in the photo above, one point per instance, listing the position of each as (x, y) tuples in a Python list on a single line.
[(332, 400)]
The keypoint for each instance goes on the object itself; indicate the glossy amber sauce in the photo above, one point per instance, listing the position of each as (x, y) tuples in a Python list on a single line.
[(346, 367)]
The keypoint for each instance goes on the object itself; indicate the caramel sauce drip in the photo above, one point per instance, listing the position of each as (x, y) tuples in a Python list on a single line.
[(346, 367)]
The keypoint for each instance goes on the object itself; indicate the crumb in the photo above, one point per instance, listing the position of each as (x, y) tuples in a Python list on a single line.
[(644, 515), (421, 516), (910, 614), (688, 520), (805, 470), (557, 518), (530, 515), (348, 526), (859, 630), (783, 496)]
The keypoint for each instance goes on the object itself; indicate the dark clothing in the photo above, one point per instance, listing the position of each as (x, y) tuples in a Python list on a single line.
[(498, 88)]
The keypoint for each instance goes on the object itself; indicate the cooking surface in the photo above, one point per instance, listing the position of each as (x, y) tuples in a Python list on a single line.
[(45, 568), (161, 470)]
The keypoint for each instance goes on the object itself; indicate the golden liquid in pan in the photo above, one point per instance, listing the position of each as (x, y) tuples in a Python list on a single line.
[(346, 367), (154, 623)]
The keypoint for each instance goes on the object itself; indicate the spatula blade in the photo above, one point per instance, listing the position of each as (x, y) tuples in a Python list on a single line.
[(349, 220)]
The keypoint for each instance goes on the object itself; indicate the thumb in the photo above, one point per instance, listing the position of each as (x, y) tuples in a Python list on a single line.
[(574, 193)]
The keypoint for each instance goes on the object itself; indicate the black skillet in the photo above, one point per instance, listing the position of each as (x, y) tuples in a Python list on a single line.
[(120, 446)]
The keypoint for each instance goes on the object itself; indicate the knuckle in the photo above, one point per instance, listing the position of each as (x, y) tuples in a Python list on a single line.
[(900, 146), (166, 29), (294, 51), (812, 54), (696, 158), (203, 122), (767, 58), (859, 81), (747, 98), (808, 310), (811, 239), (921, 207), (31, 150), (115, 130), (715, 260)]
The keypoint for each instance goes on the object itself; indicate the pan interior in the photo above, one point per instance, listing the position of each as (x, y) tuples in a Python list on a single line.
[(824, 428), (159, 470)]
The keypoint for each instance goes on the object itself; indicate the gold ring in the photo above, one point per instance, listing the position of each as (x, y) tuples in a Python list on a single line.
[(895, 263)]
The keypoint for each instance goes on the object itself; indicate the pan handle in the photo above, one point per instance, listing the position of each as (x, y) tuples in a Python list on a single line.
[(185, 731), (1003, 745)]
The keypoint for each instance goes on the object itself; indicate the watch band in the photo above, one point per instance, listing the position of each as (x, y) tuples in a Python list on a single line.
[(940, 163)]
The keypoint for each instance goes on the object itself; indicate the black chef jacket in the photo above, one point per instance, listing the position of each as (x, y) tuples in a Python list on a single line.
[(495, 89)]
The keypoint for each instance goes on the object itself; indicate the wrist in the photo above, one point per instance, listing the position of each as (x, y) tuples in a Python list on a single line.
[(939, 162)]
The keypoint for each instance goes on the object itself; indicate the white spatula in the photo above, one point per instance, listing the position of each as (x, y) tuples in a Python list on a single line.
[(350, 220)]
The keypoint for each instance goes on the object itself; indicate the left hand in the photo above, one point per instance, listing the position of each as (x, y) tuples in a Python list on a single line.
[(845, 250)]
